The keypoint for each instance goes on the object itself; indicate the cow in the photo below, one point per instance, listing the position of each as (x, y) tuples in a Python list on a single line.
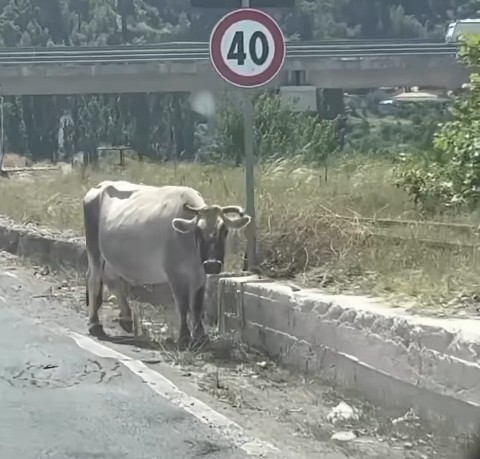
[(138, 234)]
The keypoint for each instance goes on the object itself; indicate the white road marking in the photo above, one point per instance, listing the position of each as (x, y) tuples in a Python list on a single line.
[(164, 387)]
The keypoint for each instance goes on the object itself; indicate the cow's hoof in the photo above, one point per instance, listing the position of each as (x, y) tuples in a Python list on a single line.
[(126, 324), (97, 331), (183, 342)]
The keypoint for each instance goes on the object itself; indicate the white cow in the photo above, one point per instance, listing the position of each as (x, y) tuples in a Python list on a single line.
[(139, 234)]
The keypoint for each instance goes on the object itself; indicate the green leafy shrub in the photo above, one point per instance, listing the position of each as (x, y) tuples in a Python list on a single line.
[(449, 173)]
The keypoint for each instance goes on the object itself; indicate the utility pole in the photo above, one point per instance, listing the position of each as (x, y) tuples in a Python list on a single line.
[(124, 8)]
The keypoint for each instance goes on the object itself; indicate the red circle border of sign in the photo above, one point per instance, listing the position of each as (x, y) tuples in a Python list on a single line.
[(216, 54)]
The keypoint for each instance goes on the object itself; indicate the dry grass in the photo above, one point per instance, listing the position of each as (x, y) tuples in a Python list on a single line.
[(298, 234)]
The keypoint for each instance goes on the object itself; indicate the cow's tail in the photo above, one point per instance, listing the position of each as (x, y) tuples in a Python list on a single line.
[(87, 298), (87, 301)]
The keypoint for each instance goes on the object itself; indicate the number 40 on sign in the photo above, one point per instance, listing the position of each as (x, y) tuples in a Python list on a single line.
[(247, 48)]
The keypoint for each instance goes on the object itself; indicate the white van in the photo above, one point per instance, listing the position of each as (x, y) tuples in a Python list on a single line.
[(463, 26)]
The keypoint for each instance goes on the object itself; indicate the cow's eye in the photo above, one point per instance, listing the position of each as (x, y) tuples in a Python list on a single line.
[(198, 235)]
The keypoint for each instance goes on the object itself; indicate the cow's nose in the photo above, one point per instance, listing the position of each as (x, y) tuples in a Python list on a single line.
[(212, 266)]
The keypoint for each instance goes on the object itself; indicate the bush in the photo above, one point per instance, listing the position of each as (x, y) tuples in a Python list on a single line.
[(449, 173)]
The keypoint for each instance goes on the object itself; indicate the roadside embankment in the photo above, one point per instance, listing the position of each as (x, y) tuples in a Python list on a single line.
[(393, 358)]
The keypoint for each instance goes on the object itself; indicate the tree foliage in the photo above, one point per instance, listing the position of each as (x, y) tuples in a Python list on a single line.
[(280, 132), (449, 173), (162, 125)]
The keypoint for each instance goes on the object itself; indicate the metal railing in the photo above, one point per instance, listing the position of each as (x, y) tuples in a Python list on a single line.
[(196, 51)]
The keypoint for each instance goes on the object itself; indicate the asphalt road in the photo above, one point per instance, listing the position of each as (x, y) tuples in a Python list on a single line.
[(58, 400)]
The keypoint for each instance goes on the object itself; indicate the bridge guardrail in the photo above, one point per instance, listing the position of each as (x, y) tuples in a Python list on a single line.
[(204, 45), (199, 51)]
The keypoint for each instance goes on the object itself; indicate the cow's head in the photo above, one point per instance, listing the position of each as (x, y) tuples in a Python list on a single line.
[(210, 226)]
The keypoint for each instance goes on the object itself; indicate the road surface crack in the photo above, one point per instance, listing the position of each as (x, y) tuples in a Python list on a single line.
[(55, 376)]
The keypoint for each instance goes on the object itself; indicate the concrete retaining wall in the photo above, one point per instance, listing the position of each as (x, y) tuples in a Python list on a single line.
[(394, 359)]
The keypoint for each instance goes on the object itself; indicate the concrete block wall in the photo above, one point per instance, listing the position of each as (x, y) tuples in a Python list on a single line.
[(394, 359)]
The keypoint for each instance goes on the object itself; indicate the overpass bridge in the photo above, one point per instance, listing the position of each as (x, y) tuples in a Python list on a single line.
[(185, 67)]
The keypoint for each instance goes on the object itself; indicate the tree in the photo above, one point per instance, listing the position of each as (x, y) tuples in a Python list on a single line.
[(450, 173)]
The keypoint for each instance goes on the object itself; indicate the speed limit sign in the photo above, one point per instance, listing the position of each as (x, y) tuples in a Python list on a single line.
[(247, 48)]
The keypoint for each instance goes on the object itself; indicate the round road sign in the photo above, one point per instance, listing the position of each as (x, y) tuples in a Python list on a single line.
[(247, 48)]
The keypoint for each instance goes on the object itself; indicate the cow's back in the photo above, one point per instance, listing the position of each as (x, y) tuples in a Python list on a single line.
[(136, 236), (147, 205)]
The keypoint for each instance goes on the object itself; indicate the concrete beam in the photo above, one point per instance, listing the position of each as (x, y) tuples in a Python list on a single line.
[(348, 73)]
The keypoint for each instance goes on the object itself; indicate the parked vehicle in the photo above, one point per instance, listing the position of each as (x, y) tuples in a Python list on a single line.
[(463, 26)]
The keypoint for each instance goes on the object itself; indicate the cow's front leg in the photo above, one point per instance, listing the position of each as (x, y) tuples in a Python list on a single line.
[(125, 317), (184, 337), (198, 332), (180, 294)]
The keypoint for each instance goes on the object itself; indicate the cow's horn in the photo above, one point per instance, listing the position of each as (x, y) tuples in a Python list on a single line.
[(191, 209), (234, 210)]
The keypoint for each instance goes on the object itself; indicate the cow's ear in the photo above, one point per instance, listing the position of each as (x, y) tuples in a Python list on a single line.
[(237, 223), (183, 226)]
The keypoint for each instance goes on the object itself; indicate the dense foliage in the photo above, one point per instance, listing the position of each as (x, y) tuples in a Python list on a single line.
[(279, 133), (162, 125), (449, 173)]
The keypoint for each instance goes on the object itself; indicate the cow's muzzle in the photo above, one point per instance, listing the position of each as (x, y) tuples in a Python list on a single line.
[(212, 266)]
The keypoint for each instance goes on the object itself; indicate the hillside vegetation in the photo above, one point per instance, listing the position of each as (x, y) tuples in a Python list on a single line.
[(162, 125)]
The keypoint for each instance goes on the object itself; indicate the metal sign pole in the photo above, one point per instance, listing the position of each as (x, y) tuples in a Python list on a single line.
[(249, 170), (229, 61), (249, 177), (2, 130)]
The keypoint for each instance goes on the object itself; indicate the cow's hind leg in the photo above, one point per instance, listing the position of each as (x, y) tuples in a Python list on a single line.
[(91, 212), (198, 333), (94, 296), (125, 318), (180, 293)]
